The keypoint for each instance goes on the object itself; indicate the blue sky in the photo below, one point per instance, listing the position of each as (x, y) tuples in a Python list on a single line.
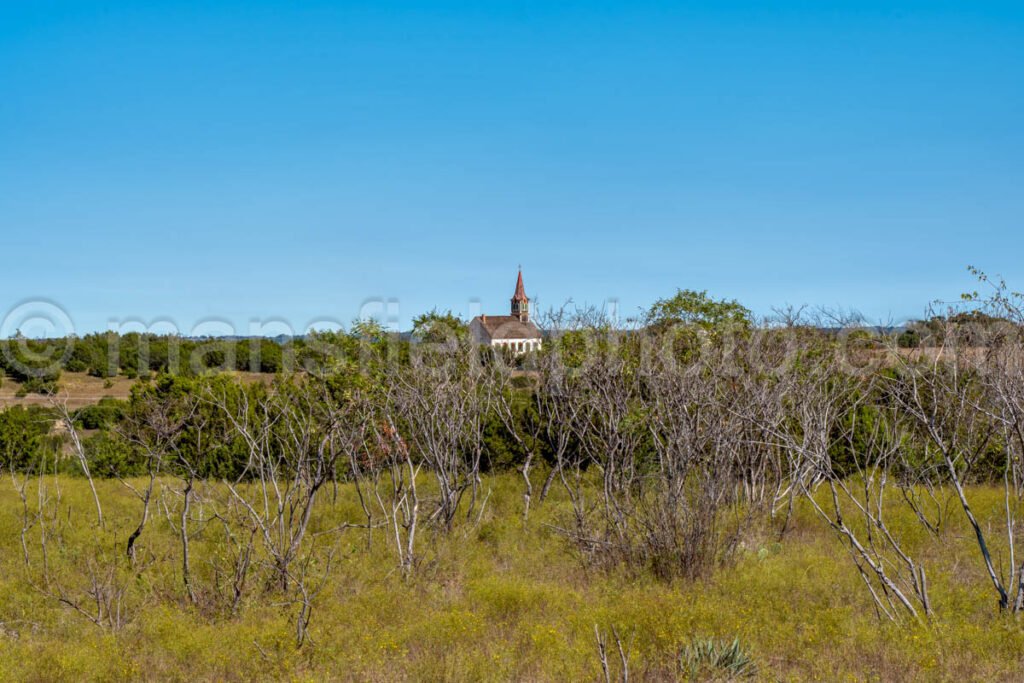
[(292, 161)]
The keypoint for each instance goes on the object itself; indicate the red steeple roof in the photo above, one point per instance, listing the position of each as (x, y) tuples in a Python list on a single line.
[(520, 294)]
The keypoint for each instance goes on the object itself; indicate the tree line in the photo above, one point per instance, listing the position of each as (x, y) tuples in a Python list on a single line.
[(37, 364)]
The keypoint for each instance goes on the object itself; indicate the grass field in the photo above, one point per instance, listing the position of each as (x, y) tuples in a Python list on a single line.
[(493, 601), (81, 389)]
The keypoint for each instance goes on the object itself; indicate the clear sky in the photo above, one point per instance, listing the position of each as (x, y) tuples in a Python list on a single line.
[(292, 160)]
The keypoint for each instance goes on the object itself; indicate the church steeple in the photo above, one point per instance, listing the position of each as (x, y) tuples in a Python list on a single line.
[(520, 302)]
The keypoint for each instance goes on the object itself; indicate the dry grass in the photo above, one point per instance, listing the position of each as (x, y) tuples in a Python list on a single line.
[(82, 389), (496, 601)]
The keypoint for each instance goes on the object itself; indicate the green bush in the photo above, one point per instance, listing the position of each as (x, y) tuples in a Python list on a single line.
[(102, 415), (23, 437), (110, 456)]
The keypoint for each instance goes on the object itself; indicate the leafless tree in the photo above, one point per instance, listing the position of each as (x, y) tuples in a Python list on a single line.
[(231, 570), (309, 584), (667, 429), (153, 425), (392, 475), (814, 407), (557, 416), (186, 469), (295, 435), (602, 395), (966, 397), (941, 394), (1001, 373), (524, 425), (102, 600), (60, 405), (602, 652), (96, 587), (439, 403), (700, 445)]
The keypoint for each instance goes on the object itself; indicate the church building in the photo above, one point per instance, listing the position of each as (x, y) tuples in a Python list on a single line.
[(515, 332)]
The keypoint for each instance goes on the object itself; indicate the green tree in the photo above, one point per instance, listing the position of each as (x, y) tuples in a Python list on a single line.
[(435, 327), (23, 436), (35, 363), (100, 415), (689, 307)]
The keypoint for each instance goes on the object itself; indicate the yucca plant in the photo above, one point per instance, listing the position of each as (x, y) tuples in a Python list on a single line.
[(714, 660)]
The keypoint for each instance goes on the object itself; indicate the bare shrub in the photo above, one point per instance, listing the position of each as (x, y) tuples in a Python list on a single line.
[(295, 437), (438, 403), (668, 439)]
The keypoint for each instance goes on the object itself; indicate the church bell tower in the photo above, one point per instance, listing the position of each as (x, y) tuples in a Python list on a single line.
[(520, 302)]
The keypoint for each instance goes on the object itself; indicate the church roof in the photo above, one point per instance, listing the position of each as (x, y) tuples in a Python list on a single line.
[(520, 294), (507, 327)]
